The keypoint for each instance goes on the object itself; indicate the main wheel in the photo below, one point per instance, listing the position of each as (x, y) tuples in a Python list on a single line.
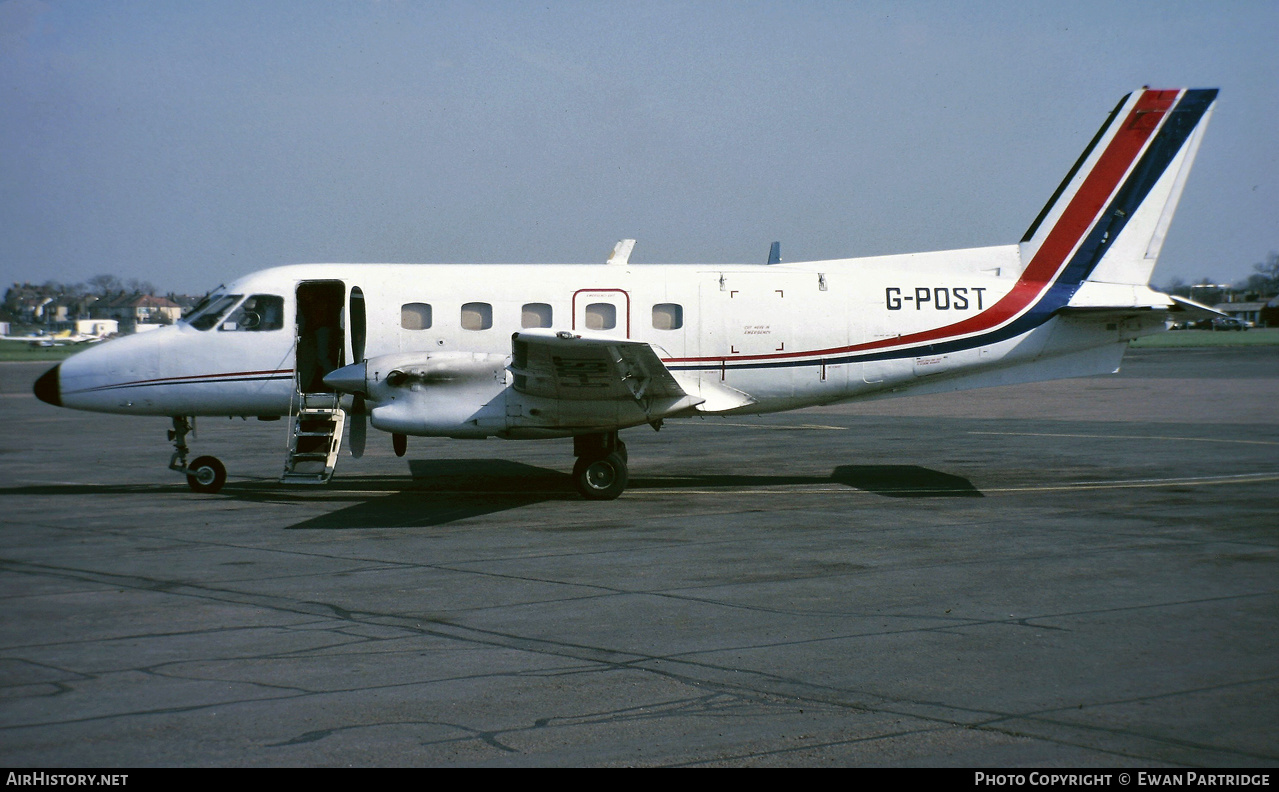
[(206, 474), (600, 478)]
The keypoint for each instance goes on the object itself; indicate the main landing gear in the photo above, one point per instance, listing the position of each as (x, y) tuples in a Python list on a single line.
[(600, 472), (205, 474)]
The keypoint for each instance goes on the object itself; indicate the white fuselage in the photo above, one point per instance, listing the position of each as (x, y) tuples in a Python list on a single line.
[(781, 336)]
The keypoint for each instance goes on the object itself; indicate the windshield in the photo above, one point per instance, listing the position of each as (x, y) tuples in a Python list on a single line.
[(203, 303), (210, 310)]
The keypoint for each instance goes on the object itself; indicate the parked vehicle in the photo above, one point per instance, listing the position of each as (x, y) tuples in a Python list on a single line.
[(1230, 323)]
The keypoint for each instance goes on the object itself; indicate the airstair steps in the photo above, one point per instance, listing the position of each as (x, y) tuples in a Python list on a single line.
[(316, 439)]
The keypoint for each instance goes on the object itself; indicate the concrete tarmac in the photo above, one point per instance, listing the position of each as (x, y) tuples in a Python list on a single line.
[(1080, 573)]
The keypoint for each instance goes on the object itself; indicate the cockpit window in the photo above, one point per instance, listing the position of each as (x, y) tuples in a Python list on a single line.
[(208, 297), (210, 310), (259, 312)]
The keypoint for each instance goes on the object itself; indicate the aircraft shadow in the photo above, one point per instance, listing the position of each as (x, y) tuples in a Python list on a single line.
[(447, 490), (893, 481), (904, 481), (444, 491)]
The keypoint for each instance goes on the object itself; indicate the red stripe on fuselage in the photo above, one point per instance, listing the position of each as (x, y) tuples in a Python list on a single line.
[(1051, 258), (178, 380)]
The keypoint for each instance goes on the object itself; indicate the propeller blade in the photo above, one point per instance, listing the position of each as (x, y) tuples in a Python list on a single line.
[(359, 425)]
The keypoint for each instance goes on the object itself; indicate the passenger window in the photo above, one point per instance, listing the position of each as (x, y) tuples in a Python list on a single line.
[(477, 316), (668, 316), (258, 313), (536, 315), (601, 316), (415, 316)]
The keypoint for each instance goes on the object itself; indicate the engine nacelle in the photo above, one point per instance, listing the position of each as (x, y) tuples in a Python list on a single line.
[(432, 394)]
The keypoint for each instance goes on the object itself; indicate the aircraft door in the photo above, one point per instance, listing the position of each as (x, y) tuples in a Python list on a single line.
[(359, 325), (751, 314), (746, 322), (605, 311), (320, 345)]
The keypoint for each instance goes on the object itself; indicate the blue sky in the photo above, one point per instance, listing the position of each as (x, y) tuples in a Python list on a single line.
[(186, 143)]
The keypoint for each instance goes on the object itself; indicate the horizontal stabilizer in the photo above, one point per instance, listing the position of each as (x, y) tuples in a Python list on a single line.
[(1111, 298), (1093, 296), (1194, 310)]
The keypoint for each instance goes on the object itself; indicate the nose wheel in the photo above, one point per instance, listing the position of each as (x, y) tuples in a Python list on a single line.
[(206, 474)]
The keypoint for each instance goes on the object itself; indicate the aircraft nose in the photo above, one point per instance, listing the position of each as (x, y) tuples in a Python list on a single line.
[(48, 388)]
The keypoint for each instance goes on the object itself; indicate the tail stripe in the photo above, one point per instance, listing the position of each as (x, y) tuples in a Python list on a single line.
[(1061, 188)]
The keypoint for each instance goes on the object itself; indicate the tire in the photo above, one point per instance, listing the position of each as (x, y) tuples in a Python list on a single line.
[(206, 475), (600, 478)]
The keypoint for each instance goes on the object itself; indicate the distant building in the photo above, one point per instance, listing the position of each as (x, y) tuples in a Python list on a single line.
[(134, 309), (97, 327), (185, 301)]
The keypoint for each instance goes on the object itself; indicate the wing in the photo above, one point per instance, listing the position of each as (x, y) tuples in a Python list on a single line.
[(574, 370)]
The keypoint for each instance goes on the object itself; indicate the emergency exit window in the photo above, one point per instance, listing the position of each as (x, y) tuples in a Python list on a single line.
[(601, 316), (415, 316)]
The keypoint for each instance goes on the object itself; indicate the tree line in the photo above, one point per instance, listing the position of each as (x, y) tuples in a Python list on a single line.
[(1262, 284)]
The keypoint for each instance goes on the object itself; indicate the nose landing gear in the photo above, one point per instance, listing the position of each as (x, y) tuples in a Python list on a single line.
[(205, 474)]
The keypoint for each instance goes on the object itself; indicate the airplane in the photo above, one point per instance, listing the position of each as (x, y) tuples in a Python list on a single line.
[(524, 352), (60, 338)]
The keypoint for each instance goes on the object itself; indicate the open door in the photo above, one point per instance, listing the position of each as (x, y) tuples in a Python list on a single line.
[(320, 347), (359, 326)]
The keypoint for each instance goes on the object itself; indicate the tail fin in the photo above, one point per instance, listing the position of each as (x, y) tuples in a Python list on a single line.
[(1107, 221)]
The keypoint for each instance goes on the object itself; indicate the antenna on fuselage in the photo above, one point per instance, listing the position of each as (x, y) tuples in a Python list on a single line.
[(775, 253)]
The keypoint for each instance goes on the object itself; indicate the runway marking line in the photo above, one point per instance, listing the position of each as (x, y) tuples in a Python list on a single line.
[(1191, 481), (791, 427), (1128, 437)]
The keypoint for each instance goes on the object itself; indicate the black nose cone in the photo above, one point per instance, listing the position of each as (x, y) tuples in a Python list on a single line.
[(48, 389)]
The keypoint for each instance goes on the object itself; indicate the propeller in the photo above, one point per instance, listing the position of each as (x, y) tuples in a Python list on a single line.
[(350, 379), (359, 425)]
